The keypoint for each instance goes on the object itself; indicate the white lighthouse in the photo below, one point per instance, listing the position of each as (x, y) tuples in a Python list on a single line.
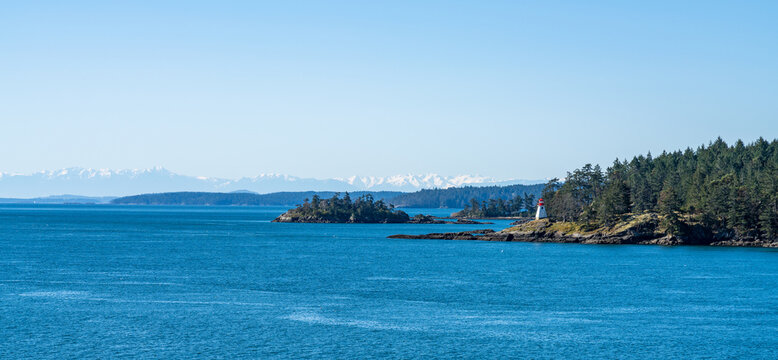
[(541, 214)]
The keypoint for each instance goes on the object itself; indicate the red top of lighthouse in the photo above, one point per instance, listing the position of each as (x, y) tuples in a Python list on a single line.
[(540, 202)]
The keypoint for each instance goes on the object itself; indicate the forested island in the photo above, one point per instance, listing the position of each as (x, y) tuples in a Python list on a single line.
[(364, 209), (714, 195), (343, 210)]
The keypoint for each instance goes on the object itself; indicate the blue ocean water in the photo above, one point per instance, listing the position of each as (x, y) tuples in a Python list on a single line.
[(183, 282)]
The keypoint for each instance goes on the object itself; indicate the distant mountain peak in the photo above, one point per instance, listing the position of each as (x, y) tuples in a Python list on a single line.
[(107, 182)]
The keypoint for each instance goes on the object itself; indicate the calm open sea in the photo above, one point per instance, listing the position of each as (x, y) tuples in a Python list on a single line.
[(182, 282)]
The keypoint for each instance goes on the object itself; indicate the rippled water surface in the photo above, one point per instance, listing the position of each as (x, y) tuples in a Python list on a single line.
[(182, 282)]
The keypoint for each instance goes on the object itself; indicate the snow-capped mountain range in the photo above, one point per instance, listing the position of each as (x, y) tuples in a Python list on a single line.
[(105, 182)]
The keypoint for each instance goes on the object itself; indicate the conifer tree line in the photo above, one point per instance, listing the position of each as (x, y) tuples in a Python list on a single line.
[(724, 188), (459, 197), (518, 206)]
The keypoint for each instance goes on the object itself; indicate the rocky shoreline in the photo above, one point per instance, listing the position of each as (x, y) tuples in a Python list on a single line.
[(462, 235), (429, 219), (542, 231)]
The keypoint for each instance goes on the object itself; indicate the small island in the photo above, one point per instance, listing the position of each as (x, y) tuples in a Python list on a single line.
[(363, 210)]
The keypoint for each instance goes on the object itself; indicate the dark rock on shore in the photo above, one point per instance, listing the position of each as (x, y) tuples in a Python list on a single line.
[(462, 235), (425, 219), (471, 222), (521, 221), (746, 243), (429, 219)]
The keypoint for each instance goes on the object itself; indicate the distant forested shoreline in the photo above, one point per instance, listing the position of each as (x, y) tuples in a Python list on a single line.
[(461, 197), (238, 198), (432, 198)]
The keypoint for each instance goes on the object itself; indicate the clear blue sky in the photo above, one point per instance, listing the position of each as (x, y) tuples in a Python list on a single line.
[(333, 88)]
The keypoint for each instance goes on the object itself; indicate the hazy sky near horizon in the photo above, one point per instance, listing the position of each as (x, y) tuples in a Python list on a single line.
[(508, 89)]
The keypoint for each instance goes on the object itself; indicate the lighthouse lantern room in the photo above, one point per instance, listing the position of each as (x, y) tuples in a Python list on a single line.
[(541, 213)]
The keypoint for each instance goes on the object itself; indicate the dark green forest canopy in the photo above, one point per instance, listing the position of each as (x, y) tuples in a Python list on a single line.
[(462, 196), (724, 188)]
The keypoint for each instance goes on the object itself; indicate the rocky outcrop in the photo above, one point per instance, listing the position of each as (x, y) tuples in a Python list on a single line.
[(429, 219), (470, 222), (746, 243), (642, 229)]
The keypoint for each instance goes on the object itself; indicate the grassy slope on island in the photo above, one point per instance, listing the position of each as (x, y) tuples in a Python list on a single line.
[(630, 229)]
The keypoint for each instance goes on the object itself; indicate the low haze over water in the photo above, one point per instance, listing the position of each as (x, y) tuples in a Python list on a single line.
[(161, 282)]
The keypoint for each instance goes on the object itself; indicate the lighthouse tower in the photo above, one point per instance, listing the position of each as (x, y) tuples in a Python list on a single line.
[(541, 214)]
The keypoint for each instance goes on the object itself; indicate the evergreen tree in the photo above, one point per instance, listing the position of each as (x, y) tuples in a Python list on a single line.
[(768, 217), (669, 205), (530, 204), (615, 199), (741, 216)]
